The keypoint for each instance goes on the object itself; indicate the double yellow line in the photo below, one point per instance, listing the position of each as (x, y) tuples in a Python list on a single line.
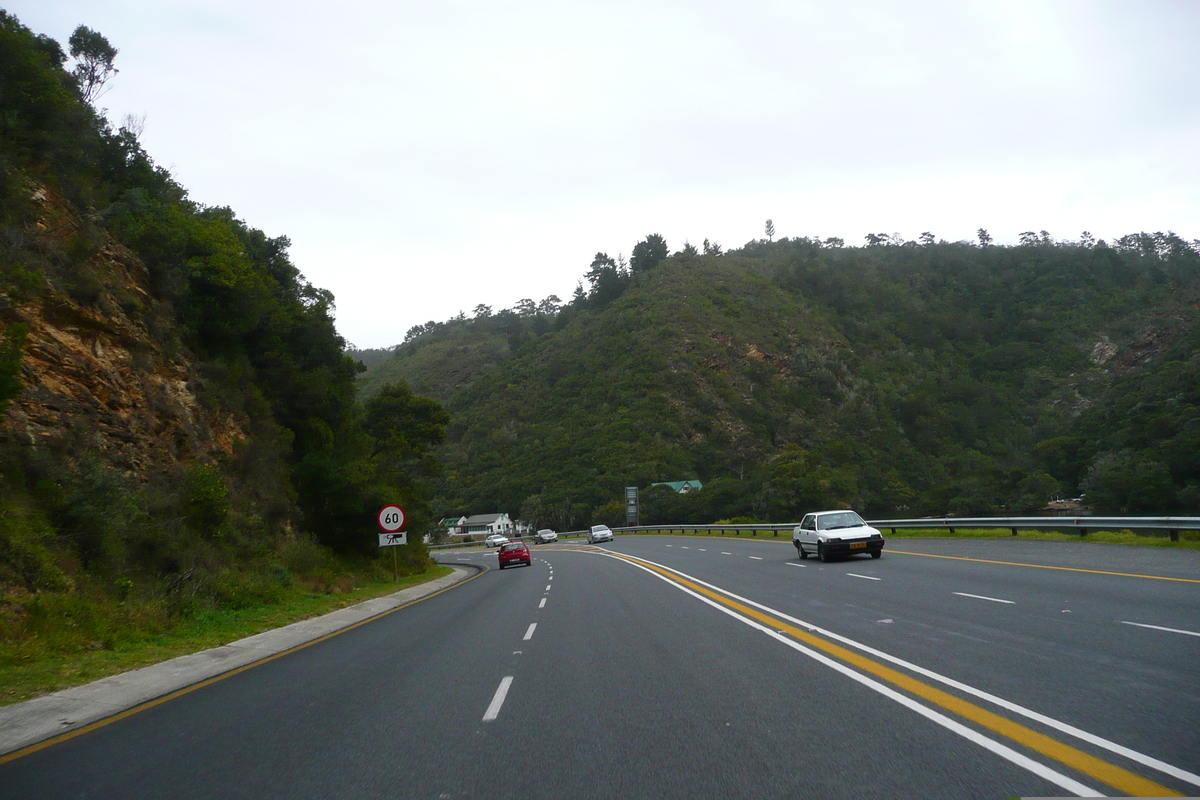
[(1110, 774)]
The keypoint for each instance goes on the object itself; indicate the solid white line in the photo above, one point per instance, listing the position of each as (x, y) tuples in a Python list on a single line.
[(757, 558), (864, 577), (1005, 752), (981, 597), (791, 564), (1160, 628), (529, 633), (542, 604), (1091, 738), (493, 710)]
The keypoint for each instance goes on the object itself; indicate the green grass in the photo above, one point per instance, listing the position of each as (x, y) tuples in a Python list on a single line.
[(29, 669)]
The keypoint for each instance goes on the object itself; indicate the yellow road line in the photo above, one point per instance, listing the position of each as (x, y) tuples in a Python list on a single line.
[(129, 712), (1044, 566), (1117, 777)]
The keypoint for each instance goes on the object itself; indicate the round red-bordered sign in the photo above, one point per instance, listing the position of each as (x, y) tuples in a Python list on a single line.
[(390, 519)]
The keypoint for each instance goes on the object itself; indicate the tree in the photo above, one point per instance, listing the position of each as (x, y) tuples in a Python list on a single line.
[(689, 249), (550, 305), (94, 58), (482, 311), (648, 253), (770, 230), (525, 308), (404, 425), (985, 238), (927, 239), (712, 248), (877, 239)]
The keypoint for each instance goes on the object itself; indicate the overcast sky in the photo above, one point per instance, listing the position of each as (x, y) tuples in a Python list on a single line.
[(426, 157)]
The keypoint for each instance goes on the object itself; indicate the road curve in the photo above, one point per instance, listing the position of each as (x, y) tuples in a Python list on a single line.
[(702, 667)]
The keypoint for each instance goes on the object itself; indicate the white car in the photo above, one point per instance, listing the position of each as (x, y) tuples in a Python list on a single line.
[(830, 533), (495, 540), (545, 536), (599, 533)]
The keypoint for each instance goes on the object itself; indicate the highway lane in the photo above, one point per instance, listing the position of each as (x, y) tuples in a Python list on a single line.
[(626, 686), (1058, 644)]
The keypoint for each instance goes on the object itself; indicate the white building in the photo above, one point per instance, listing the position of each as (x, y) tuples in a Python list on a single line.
[(486, 524)]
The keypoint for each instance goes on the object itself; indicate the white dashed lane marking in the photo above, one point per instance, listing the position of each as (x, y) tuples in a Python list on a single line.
[(493, 710), (542, 604), (864, 577), (529, 632), (1160, 628), (757, 558), (989, 599)]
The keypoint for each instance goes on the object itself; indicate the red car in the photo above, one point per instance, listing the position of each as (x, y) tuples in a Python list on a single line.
[(514, 553)]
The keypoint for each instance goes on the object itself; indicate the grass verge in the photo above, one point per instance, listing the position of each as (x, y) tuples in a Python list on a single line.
[(23, 675)]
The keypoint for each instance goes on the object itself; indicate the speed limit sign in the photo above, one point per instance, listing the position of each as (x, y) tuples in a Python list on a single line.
[(391, 519)]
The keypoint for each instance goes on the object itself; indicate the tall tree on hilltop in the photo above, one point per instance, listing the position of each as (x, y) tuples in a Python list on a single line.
[(94, 58), (770, 230), (648, 253)]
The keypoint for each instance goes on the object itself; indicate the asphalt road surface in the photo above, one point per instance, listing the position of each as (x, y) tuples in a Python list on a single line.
[(705, 667)]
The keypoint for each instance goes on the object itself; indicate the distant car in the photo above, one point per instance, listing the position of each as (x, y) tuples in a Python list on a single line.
[(495, 540), (514, 553), (545, 536), (599, 533), (830, 533)]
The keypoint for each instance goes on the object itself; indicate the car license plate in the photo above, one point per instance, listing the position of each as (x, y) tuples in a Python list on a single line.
[(857, 545)]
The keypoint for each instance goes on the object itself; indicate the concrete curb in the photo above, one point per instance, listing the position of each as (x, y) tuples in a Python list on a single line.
[(32, 721)]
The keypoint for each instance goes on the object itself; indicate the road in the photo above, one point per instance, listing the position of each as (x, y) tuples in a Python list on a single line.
[(705, 667)]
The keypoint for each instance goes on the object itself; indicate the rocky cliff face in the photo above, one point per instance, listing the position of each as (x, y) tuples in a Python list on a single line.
[(93, 370)]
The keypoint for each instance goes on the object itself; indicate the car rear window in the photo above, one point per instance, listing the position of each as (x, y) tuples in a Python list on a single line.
[(513, 546)]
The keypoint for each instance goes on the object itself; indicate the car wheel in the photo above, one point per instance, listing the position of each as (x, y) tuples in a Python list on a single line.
[(876, 553), (821, 554), (802, 551)]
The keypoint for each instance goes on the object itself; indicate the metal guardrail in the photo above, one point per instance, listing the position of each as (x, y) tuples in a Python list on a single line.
[(1081, 525)]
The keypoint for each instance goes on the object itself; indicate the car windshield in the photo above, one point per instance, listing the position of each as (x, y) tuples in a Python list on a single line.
[(598, 528), (844, 519)]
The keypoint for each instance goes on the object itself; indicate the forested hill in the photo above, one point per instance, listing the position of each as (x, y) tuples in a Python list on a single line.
[(900, 377), (177, 409)]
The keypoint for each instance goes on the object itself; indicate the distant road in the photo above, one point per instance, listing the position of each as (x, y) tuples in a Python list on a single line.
[(703, 667)]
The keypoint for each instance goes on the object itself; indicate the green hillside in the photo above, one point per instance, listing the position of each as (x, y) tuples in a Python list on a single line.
[(897, 378)]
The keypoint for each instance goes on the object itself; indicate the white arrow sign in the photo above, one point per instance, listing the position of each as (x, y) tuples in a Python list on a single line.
[(392, 539)]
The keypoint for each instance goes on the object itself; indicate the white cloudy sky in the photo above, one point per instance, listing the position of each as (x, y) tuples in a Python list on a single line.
[(428, 156)]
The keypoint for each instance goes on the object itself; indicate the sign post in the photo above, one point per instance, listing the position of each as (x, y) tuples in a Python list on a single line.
[(632, 512), (391, 520)]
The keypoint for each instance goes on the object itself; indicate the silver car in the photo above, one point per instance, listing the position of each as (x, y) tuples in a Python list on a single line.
[(599, 533), (832, 533), (545, 536)]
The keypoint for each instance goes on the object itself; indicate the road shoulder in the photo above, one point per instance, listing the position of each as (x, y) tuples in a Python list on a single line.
[(32, 721)]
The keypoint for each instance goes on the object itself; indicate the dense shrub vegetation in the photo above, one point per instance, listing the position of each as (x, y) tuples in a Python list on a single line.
[(226, 530)]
